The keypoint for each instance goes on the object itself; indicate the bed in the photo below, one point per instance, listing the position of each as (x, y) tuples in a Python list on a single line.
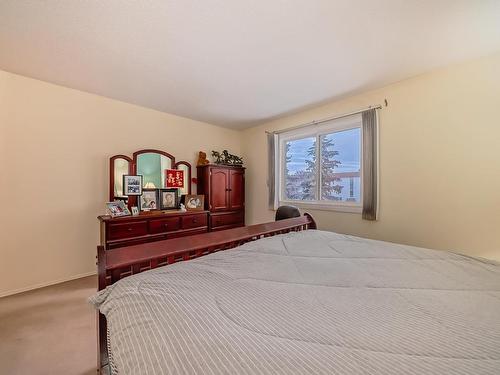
[(296, 301)]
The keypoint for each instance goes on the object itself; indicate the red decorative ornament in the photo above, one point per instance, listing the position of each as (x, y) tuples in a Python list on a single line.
[(194, 180), (174, 178)]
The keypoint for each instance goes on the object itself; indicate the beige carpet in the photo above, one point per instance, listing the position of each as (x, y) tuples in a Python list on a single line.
[(49, 330)]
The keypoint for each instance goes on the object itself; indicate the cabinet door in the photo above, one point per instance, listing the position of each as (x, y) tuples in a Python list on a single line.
[(219, 189), (236, 189)]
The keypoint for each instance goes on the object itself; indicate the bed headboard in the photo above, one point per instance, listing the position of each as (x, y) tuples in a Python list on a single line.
[(115, 264)]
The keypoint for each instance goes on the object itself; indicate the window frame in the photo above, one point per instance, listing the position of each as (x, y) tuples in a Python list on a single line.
[(316, 131)]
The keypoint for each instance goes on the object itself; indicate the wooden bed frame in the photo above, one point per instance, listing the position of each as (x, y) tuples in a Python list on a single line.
[(115, 264)]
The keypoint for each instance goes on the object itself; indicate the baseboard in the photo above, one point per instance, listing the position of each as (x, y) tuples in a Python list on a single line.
[(42, 285)]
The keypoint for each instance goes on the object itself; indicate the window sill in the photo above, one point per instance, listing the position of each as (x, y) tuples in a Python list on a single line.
[(349, 208)]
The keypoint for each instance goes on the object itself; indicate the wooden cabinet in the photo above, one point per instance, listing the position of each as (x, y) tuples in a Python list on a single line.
[(151, 226), (224, 190), (226, 220), (217, 193), (237, 189)]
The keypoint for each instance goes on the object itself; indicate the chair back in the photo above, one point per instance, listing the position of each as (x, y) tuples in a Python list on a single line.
[(286, 212)]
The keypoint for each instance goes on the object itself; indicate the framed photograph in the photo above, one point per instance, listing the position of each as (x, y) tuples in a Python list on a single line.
[(174, 178), (132, 185), (135, 210), (194, 202), (117, 209), (169, 199), (148, 200)]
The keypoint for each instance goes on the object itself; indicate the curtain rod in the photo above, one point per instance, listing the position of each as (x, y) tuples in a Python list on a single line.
[(317, 122)]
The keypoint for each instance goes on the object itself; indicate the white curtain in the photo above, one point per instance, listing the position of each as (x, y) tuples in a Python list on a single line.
[(272, 152)]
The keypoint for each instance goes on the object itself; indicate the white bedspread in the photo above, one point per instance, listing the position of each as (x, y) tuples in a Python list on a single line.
[(309, 302)]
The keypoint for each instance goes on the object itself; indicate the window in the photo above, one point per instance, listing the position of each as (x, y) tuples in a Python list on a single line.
[(320, 165)]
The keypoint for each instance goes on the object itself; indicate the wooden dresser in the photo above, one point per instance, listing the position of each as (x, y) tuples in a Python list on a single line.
[(151, 226), (224, 190)]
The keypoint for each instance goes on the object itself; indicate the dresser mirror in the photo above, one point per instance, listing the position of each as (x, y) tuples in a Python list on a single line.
[(152, 165), (186, 168), (119, 165)]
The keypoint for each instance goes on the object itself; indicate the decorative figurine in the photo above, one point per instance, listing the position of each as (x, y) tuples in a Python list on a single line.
[(183, 208), (217, 156), (202, 158), (226, 158)]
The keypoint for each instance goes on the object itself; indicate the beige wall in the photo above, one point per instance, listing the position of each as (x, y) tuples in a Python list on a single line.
[(55, 143), (439, 161)]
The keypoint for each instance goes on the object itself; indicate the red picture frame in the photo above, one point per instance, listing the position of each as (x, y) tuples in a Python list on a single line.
[(174, 178)]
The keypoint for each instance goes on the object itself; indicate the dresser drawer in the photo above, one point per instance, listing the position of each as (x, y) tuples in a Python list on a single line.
[(194, 221), (164, 225), (221, 220), (125, 230)]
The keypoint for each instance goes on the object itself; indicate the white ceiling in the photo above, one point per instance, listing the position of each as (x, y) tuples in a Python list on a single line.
[(239, 62)]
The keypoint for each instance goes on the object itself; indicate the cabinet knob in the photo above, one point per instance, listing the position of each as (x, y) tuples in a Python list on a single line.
[(129, 229), (195, 220), (166, 225)]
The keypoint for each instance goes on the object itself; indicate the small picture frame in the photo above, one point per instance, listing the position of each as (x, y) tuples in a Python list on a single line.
[(117, 209), (135, 210), (194, 202), (132, 184), (169, 199), (148, 201)]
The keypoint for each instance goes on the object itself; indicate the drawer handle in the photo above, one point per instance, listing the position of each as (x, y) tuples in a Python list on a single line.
[(129, 229), (195, 220), (166, 225)]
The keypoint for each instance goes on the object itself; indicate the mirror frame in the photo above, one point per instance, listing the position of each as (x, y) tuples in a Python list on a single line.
[(189, 172), (132, 170), (132, 200), (112, 173), (150, 151)]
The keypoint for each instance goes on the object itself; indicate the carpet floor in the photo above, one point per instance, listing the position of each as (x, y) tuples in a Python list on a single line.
[(50, 330)]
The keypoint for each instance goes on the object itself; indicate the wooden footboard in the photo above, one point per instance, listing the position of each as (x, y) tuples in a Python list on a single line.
[(115, 264)]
